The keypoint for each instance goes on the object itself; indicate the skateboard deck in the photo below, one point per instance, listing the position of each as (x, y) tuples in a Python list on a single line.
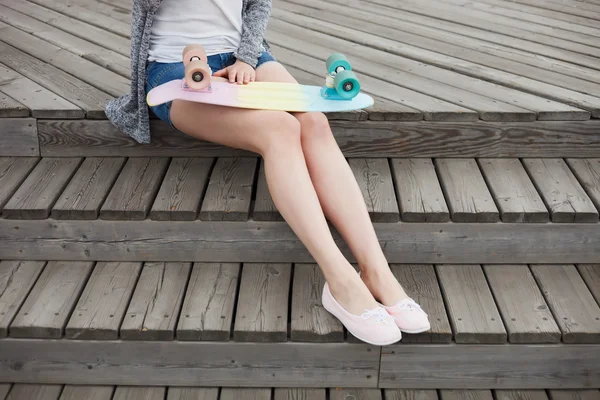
[(291, 97)]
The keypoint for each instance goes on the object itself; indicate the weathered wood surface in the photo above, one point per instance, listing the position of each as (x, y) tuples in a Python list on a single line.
[(573, 306), (229, 191), (299, 394), (88, 189), (72, 392), (101, 307), (18, 136), (521, 395), (387, 138), (264, 207), (466, 395), (471, 307), (421, 284), (182, 190), (10, 108), (181, 393), (469, 199), (574, 394), (16, 280), (207, 312), (13, 171), (4, 389), (419, 192), (358, 394), (41, 189), (134, 191), (154, 307), (139, 393), (310, 322), (591, 275), (262, 311), (195, 363), (587, 172), (375, 181), (47, 309), (34, 392), (256, 241), (245, 394), (561, 191), (403, 394), (490, 367), (526, 315), (513, 191)]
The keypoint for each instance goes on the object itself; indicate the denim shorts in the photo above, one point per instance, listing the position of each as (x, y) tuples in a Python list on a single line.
[(159, 73)]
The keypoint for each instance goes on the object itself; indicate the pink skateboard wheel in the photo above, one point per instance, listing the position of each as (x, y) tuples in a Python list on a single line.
[(194, 52), (197, 75)]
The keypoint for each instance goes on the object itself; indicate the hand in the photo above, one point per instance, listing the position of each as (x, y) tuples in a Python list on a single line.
[(239, 72)]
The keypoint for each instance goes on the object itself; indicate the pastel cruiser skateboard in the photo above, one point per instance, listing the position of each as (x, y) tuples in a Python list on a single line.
[(340, 92)]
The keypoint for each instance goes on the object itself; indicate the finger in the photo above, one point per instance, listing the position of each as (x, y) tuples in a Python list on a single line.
[(220, 72), (232, 76), (252, 76), (246, 77)]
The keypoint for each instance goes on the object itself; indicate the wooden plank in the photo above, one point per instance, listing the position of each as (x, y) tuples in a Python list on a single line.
[(499, 70), (48, 307), (264, 208), (79, 29), (375, 181), (41, 101), (72, 392), (4, 389), (293, 33), (38, 193), (13, 171), (10, 108), (135, 189), (300, 394), (16, 280), (591, 11), (254, 241), (562, 193), (526, 315), (420, 195), (89, 72), (139, 393), (468, 197), (101, 307), (572, 304), (433, 109), (513, 191), (587, 172), (99, 55), (466, 395), (358, 394), (207, 312), (381, 138), (310, 321), (155, 305), (521, 395), (83, 95), (229, 191), (34, 392), (394, 394), (420, 283), (471, 307), (115, 11), (88, 189), (19, 136), (591, 275), (574, 394), (178, 393), (182, 189), (262, 307), (178, 363), (245, 394), (489, 367)]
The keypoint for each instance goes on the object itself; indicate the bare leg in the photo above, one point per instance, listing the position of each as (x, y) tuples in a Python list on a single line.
[(275, 135), (340, 196)]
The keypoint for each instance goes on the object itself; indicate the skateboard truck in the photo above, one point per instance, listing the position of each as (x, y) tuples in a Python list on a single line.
[(341, 82)]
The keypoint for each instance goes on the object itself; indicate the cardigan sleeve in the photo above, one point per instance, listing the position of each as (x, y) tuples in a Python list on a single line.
[(254, 24)]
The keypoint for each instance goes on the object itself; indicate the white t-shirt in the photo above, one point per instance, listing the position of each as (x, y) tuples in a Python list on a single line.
[(214, 24)]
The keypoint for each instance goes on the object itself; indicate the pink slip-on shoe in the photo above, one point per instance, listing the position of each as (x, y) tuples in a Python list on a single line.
[(409, 316), (374, 326)]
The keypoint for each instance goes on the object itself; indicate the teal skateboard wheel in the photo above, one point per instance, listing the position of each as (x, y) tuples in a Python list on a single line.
[(337, 63), (346, 84)]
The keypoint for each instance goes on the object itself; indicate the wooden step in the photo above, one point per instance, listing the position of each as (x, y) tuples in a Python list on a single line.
[(239, 322)]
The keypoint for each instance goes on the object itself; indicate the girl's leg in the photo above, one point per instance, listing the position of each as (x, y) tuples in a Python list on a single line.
[(340, 195), (275, 135)]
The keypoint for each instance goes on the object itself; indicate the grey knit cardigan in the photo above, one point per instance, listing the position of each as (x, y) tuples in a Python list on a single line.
[(130, 112)]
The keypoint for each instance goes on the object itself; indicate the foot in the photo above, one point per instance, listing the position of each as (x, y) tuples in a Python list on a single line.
[(350, 291), (383, 285), (409, 316), (374, 326)]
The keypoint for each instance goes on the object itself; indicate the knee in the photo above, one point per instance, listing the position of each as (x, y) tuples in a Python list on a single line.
[(282, 133), (314, 125)]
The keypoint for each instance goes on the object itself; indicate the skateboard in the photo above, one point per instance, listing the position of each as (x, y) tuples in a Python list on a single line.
[(340, 92)]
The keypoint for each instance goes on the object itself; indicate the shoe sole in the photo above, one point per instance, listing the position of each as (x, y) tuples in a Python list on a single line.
[(361, 339), (415, 331)]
